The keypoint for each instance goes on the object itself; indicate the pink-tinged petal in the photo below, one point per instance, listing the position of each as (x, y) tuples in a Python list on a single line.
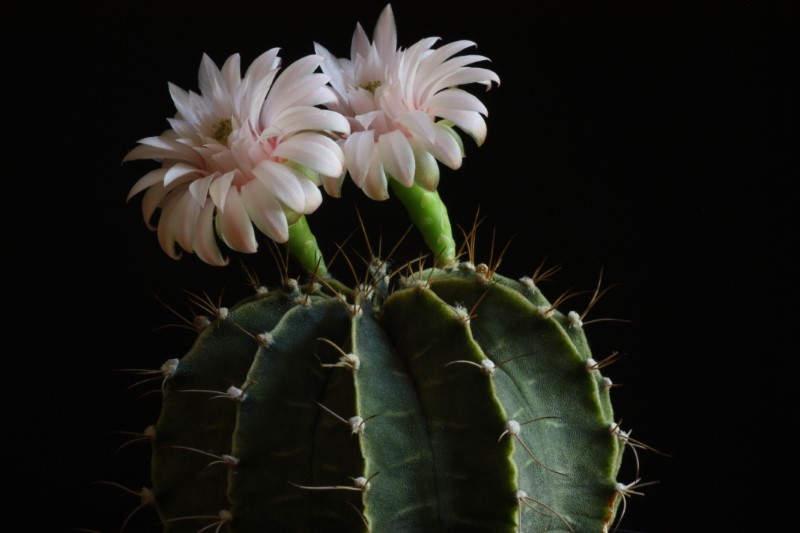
[(470, 122), (234, 226), (294, 83), (360, 44), (324, 96), (464, 76), (254, 97), (358, 151), (231, 74), (445, 148), (365, 120), (433, 61), (205, 243), (185, 222), (427, 168), (263, 65), (409, 67), (313, 198), (397, 157), (420, 123), (376, 186), (211, 83), (333, 185), (143, 151), (183, 103), (170, 215), (199, 188), (265, 211), (432, 71), (146, 181), (384, 36), (282, 183), (162, 148), (362, 101), (456, 99), (219, 189), (177, 171), (304, 148), (182, 128), (310, 118), (150, 201), (333, 69)]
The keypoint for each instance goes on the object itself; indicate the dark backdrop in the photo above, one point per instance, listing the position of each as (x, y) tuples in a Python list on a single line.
[(649, 143)]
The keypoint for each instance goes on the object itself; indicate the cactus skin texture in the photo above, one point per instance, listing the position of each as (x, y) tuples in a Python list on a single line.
[(446, 441)]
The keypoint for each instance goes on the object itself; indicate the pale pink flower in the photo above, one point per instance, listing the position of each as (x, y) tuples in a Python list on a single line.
[(400, 104), (245, 151)]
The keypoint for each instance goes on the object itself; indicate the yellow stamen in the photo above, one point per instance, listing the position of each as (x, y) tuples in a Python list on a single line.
[(224, 129), (371, 86)]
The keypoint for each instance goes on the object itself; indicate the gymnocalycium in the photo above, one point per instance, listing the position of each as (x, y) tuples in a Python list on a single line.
[(439, 398)]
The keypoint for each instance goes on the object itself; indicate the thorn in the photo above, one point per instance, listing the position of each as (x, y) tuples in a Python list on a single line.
[(592, 365), (624, 491), (145, 496), (233, 393), (524, 499), (346, 360), (356, 423), (226, 459), (513, 428), (486, 365), (220, 519), (149, 434), (360, 484)]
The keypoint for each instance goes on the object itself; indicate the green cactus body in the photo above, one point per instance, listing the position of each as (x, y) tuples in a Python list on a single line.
[(457, 401)]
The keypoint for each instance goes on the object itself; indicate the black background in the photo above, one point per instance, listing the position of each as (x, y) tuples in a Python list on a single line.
[(644, 139)]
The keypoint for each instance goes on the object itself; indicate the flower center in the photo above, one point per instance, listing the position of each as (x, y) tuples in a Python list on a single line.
[(371, 86), (224, 129)]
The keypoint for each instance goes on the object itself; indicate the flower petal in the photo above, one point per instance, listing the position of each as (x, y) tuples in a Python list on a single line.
[(456, 99), (420, 123), (376, 186), (300, 118), (358, 150), (147, 181), (199, 188), (470, 122), (265, 211), (178, 171), (397, 157), (385, 34), (427, 168), (281, 183), (234, 226), (218, 191), (170, 216), (150, 202), (309, 150), (313, 198), (205, 243)]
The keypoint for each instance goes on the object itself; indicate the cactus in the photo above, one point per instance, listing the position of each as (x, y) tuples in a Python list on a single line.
[(445, 398), (453, 399)]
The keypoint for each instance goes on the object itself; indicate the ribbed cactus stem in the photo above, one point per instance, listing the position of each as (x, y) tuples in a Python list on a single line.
[(449, 403), (303, 246), (429, 214)]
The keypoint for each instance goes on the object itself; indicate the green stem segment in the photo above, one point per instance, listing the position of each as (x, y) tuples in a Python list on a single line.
[(429, 214), (303, 246)]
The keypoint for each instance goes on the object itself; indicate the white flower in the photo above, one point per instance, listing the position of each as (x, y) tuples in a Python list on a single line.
[(245, 151), (393, 98)]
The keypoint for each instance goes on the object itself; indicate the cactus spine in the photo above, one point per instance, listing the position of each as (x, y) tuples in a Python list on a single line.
[(451, 400)]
